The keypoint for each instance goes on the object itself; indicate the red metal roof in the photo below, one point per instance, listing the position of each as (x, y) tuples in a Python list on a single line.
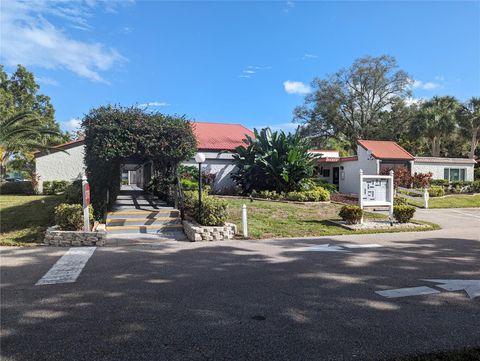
[(338, 159), (210, 136), (220, 136), (385, 149)]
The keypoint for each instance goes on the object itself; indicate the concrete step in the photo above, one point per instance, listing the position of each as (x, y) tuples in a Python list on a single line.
[(143, 221), (128, 214), (149, 229)]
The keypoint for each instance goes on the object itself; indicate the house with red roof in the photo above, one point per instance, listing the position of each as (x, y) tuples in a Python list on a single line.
[(216, 140), (377, 156)]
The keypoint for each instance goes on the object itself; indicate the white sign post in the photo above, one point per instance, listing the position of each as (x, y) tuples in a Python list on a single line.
[(376, 190), (86, 203)]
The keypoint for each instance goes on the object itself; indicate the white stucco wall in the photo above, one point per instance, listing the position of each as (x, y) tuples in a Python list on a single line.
[(350, 179), (437, 169), (61, 166), (220, 164)]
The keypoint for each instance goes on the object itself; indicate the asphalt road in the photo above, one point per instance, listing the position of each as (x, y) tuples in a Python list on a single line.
[(247, 300)]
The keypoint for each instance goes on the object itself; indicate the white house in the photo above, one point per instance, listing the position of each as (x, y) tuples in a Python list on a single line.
[(215, 140), (376, 156)]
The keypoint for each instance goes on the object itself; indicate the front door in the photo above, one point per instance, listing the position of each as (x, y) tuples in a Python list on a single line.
[(336, 176)]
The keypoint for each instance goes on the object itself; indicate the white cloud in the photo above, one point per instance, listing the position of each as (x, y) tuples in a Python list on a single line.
[(154, 104), (296, 87), (430, 85), (72, 124), (309, 56), (253, 69), (418, 84), (411, 100), (46, 81), (30, 39), (286, 127)]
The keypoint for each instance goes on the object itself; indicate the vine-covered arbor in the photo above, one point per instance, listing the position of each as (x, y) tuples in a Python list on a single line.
[(115, 135)]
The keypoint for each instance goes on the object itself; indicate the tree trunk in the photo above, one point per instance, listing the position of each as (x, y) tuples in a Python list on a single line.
[(435, 147), (474, 143)]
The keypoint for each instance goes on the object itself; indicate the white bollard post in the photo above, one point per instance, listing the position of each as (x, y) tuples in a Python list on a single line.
[(244, 221), (360, 194), (86, 202), (391, 185), (426, 197)]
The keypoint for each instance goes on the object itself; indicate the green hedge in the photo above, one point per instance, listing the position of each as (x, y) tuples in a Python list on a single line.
[(54, 187), (73, 193), (314, 194), (351, 214), (189, 185), (214, 210), (403, 213), (436, 191), (69, 217), (16, 188)]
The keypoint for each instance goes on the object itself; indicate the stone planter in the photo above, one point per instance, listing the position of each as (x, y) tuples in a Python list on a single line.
[(198, 233), (55, 237)]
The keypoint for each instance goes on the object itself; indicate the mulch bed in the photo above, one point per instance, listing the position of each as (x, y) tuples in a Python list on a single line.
[(344, 198)]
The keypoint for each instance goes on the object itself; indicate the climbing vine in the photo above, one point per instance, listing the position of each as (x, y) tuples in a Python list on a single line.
[(114, 134)]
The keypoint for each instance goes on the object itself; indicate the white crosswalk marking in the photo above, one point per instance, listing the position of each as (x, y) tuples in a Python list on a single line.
[(68, 267), (405, 292)]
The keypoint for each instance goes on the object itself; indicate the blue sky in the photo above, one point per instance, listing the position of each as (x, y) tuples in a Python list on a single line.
[(234, 62)]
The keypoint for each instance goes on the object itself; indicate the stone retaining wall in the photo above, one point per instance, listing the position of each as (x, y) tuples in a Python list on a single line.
[(198, 233), (55, 237)]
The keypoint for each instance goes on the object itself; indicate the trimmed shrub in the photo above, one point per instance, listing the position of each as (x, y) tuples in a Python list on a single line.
[(403, 213), (214, 212), (267, 195), (25, 187), (439, 182), (476, 186), (397, 201), (47, 188), (189, 185), (69, 217), (316, 194), (331, 188), (59, 186), (436, 191), (351, 214), (73, 193)]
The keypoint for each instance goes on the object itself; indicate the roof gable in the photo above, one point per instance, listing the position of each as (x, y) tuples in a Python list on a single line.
[(385, 149), (210, 136)]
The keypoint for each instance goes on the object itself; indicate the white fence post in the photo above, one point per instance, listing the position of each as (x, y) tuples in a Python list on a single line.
[(426, 197), (360, 194), (244, 221), (392, 195)]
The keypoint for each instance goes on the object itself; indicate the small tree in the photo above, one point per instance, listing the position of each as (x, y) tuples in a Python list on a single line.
[(273, 161)]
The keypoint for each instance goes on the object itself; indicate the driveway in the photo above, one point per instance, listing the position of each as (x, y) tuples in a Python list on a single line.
[(305, 299)]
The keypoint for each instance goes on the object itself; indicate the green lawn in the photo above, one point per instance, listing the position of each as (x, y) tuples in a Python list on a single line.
[(24, 219), (275, 219), (453, 201)]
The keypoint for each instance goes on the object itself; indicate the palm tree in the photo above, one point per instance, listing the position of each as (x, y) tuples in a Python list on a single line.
[(437, 120), (469, 121), (21, 132)]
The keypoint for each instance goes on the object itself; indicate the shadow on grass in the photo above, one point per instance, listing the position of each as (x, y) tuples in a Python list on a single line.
[(28, 218)]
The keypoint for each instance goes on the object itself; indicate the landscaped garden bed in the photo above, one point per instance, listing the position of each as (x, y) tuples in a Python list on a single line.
[(267, 219)]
